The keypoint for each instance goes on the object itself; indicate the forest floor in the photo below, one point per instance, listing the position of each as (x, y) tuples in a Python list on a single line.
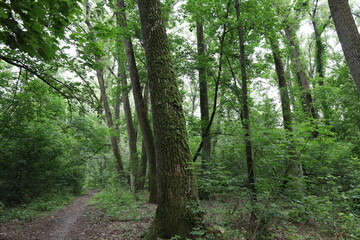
[(83, 220), (77, 221)]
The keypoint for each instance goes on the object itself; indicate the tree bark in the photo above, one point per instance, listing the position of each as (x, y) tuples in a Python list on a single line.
[(109, 120), (348, 35), (246, 116), (131, 131), (301, 75), (140, 106), (284, 94), (177, 197), (204, 102)]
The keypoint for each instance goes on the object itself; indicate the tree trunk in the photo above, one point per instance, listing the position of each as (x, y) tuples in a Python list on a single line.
[(284, 94), (109, 120), (140, 107), (105, 101), (141, 171), (204, 102), (348, 35), (131, 131), (246, 116), (301, 75), (177, 198)]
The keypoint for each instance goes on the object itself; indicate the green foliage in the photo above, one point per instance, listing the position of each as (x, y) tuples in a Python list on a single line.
[(34, 27), (117, 202), (39, 206)]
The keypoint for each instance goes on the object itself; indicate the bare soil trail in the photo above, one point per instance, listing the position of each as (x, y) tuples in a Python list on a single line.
[(81, 221)]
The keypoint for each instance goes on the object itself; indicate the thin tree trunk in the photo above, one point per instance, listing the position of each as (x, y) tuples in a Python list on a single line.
[(292, 168), (140, 106), (284, 94), (141, 171), (246, 116), (132, 134), (177, 199), (301, 75), (348, 35), (204, 102), (105, 101), (109, 120)]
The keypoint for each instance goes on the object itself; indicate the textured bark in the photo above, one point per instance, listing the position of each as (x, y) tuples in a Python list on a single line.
[(131, 131), (348, 35), (140, 107), (177, 192), (204, 102), (246, 113), (301, 75), (284, 94)]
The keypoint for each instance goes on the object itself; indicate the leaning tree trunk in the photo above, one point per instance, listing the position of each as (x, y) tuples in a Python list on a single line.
[(348, 35), (105, 101), (140, 106), (301, 75), (177, 192), (284, 93), (110, 122)]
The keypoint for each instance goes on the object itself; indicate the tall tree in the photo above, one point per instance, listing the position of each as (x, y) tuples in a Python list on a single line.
[(177, 192), (203, 89), (105, 100), (140, 106), (348, 34), (246, 115)]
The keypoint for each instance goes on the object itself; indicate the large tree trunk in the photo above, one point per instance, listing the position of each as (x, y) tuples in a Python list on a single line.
[(177, 197), (348, 35), (246, 116), (204, 102), (140, 106)]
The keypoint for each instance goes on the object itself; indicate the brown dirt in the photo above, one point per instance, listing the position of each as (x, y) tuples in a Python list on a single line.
[(79, 221)]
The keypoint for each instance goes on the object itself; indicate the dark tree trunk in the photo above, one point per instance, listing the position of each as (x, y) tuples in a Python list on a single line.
[(204, 102), (284, 94), (349, 36), (292, 169), (177, 197), (131, 131), (246, 115), (141, 108)]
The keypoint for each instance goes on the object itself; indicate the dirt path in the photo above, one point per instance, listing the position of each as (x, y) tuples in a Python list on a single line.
[(53, 227), (80, 221)]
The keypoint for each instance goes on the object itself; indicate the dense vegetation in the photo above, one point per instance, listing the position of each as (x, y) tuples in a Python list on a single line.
[(251, 106)]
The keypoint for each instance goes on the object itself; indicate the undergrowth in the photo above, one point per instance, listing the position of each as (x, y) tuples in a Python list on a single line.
[(39, 206)]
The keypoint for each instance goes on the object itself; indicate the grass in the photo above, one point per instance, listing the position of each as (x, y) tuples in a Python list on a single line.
[(40, 206)]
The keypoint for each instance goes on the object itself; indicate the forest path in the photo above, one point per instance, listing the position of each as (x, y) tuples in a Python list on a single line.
[(56, 226)]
